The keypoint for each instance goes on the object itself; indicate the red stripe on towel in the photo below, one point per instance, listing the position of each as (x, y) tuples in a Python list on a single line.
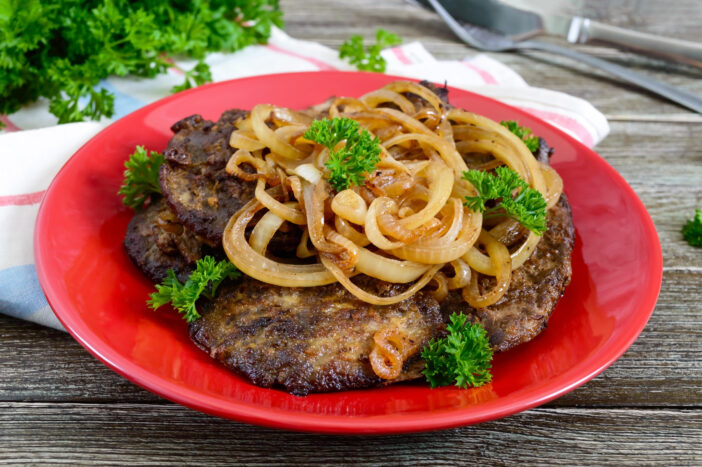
[(22, 200)]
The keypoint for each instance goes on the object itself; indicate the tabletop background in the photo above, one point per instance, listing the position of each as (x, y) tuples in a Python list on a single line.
[(59, 404)]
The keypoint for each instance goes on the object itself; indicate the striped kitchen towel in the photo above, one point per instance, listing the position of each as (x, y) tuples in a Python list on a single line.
[(31, 158)]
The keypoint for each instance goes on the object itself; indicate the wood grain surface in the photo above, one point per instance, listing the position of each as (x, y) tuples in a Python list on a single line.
[(60, 405)]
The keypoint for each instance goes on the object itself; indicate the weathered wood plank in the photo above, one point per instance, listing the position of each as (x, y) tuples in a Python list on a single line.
[(662, 368), (332, 22), (119, 434)]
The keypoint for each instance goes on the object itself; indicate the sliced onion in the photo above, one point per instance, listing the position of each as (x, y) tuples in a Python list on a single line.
[(243, 156), (265, 135), (349, 205), (448, 153), (535, 177), (481, 263), (374, 299), (461, 276), (314, 197), (440, 179), (382, 96), (303, 250), (373, 231), (289, 213), (259, 267), (387, 269), (242, 140), (419, 90), (442, 288), (264, 230), (309, 172), (502, 263), (343, 227)]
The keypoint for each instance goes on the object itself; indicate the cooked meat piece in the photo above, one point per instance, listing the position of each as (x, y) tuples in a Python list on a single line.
[(193, 180), (544, 153), (442, 92), (156, 242), (535, 288), (314, 339)]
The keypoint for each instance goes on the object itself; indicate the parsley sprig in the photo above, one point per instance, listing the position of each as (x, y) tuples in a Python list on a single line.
[(62, 49), (140, 177), (204, 280), (692, 230), (349, 164), (528, 207), (523, 133), (462, 357), (368, 58)]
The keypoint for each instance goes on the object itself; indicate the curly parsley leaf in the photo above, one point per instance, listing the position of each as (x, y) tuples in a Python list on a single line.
[(462, 357), (369, 58), (692, 230), (200, 74), (140, 177), (523, 133), (349, 164), (203, 281), (62, 49), (528, 207)]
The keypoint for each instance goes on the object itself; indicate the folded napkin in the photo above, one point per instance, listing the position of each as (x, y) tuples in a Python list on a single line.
[(31, 158)]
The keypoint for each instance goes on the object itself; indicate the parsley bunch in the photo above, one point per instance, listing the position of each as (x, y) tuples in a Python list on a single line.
[(140, 177), (205, 279), (692, 230), (359, 156), (523, 133), (368, 58), (462, 357), (528, 207), (61, 49)]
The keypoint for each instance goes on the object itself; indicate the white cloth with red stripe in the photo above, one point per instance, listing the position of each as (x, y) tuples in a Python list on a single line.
[(31, 156)]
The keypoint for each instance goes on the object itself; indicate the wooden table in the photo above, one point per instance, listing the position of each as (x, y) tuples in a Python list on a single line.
[(59, 404)]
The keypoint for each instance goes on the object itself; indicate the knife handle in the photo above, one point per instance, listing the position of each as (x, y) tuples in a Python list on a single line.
[(681, 96), (584, 30)]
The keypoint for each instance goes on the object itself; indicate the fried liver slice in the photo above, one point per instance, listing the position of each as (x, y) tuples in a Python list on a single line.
[(523, 312), (313, 339)]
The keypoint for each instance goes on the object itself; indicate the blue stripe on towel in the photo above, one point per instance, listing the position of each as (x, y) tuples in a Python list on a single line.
[(124, 103), (20, 293)]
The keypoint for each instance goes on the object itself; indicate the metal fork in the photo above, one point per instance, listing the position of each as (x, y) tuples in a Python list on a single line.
[(483, 39)]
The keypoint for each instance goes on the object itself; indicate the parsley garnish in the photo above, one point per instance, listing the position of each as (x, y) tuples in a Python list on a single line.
[(368, 58), (523, 133), (462, 357), (205, 279), (528, 207), (140, 178), (61, 49), (692, 230), (359, 156)]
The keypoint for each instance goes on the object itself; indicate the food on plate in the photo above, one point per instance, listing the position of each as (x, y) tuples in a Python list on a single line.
[(376, 236), (313, 339)]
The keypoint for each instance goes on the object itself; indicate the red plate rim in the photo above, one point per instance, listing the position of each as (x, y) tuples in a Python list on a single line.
[(392, 423)]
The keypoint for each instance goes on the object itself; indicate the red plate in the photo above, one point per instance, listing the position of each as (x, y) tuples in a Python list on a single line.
[(99, 295)]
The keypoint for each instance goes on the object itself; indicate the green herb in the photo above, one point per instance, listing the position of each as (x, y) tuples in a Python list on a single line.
[(692, 230), (523, 133), (528, 207), (368, 58), (200, 74), (359, 156), (140, 177), (462, 357), (61, 49), (204, 280)]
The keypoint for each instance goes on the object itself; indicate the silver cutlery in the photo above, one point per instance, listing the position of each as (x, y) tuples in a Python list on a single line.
[(489, 41), (524, 19)]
